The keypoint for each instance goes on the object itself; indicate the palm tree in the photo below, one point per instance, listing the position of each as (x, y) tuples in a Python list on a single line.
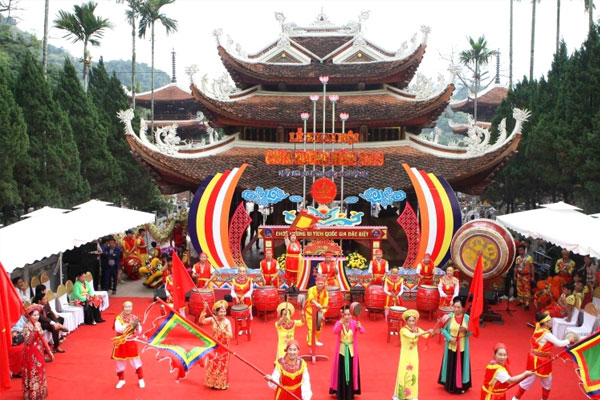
[(45, 41), (589, 8), (474, 58), (149, 15), (132, 15), (533, 4), (83, 26)]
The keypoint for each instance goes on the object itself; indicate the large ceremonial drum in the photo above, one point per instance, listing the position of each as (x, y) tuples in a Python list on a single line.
[(336, 302), (485, 236), (240, 311), (375, 297), (396, 312), (197, 299), (265, 298), (131, 266), (428, 298)]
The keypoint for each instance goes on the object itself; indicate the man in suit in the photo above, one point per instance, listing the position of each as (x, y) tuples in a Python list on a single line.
[(50, 321)]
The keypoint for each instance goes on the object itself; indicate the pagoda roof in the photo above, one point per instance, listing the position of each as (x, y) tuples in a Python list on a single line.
[(492, 95), (386, 69), (388, 107), (466, 173), (170, 92)]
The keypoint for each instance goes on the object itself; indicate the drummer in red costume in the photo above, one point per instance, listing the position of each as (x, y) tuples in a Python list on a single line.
[(293, 259), (393, 286), (291, 373), (378, 267), (129, 249), (425, 270), (203, 273), (269, 269), (125, 349), (542, 343), (328, 270), (140, 246), (448, 288), (241, 289), (497, 378)]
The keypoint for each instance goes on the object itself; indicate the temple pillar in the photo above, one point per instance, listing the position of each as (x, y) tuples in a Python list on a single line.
[(280, 134), (364, 133)]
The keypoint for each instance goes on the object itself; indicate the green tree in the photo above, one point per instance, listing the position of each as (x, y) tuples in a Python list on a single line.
[(14, 143), (150, 13), (137, 189), (50, 172), (98, 165), (475, 58), (83, 26), (132, 15)]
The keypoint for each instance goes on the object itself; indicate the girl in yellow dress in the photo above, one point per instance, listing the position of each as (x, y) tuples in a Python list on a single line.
[(285, 327), (407, 379)]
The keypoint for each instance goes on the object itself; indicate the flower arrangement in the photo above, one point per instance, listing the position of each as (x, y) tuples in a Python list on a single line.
[(356, 260)]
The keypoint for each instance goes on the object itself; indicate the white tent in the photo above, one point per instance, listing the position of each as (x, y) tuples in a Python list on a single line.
[(558, 223), (54, 231)]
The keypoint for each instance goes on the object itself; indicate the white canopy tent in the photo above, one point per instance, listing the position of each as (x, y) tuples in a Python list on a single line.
[(52, 231), (558, 223)]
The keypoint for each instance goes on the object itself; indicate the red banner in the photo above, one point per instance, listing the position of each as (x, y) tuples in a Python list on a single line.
[(339, 232), (317, 157)]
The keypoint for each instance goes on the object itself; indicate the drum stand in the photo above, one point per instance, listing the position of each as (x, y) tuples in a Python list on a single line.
[(313, 356)]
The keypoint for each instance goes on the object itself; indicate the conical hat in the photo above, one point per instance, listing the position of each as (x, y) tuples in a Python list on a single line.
[(287, 305)]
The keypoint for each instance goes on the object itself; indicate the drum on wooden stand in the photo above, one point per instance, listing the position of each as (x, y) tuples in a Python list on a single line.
[(240, 311), (336, 302), (265, 298), (396, 312), (131, 266), (375, 297), (198, 298), (428, 298)]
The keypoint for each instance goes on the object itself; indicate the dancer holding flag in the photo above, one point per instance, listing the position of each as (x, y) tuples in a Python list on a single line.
[(455, 373), (127, 325), (291, 373), (542, 343), (497, 377), (217, 370)]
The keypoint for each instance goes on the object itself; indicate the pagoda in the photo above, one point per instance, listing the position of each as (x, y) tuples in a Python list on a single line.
[(374, 87)]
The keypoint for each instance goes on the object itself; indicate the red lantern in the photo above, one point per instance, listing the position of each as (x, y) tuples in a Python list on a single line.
[(323, 191)]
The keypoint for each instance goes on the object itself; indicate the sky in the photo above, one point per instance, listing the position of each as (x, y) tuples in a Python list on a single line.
[(253, 25)]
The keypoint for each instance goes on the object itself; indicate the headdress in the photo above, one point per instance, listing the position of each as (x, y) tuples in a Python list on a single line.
[(450, 269), (378, 252), (328, 254), (320, 279), (127, 302), (410, 313), (292, 342), (287, 305), (499, 346), (219, 304), (544, 318), (32, 308), (269, 251)]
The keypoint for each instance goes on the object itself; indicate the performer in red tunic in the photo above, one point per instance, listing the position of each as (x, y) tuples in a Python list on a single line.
[(291, 373), (378, 267), (269, 269), (140, 246), (241, 289), (542, 343), (34, 366), (448, 288), (523, 276), (217, 369), (203, 273), (497, 378), (293, 259), (328, 270), (125, 349), (564, 267), (393, 288), (425, 270)]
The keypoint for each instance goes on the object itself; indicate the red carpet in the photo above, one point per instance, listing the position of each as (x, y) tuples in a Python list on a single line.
[(86, 371)]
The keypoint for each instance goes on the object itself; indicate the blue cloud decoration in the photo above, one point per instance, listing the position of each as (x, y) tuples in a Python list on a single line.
[(265, 197), (384, 197)]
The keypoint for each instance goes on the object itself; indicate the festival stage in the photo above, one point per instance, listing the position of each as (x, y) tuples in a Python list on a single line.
[(86, 371)]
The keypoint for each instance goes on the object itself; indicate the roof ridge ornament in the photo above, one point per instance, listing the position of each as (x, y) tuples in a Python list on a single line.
[(363, 16), (322, 19), (217, 33)]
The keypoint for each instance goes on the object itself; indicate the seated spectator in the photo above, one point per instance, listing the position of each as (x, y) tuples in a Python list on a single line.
[(83, 295), (50, 322), (20, 286), (564, 267), (581, 292)]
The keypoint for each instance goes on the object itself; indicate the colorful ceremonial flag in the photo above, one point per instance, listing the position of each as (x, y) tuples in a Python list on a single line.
[(182, 283), (11, 309), (183, 341), (586, 354), (304, 220), (476, 290)]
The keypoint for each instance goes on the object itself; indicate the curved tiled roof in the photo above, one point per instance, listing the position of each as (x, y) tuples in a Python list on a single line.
[(397, 71), (468, 174), (170, 92), (382, 108)]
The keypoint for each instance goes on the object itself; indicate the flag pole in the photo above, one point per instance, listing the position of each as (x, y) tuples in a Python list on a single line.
[(542, 365), (233, 353)]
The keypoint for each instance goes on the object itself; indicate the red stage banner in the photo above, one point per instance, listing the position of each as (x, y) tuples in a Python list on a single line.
[(298, 137), (316, 157)]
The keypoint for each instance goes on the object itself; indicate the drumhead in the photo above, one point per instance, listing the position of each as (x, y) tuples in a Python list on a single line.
[(446, 309), (265, 287), (332, 288), (202, 290), (239, 307), (355, 309), (398, 308), (428, 287)]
